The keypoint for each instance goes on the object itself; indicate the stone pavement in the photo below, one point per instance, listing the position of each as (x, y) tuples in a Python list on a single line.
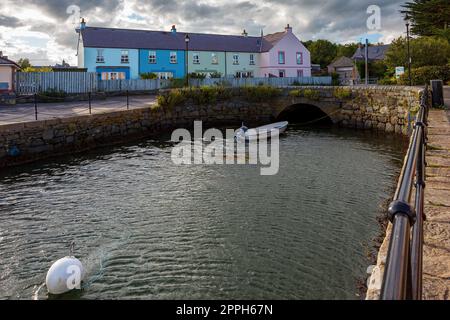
[(25, 112), (436, 259)]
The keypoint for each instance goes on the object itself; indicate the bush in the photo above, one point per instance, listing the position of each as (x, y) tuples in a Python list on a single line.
[(148, 76), (53, 93), (216, 75), (387, 81), (423, 75), (296, 83), (177, 83), (197, 75), (311, 94), (171, 98), (260, 93), (295, 93), (342, 93), (335, 79)]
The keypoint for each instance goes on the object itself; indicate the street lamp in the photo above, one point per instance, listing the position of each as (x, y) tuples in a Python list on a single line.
[(186, 40), (409, 50)]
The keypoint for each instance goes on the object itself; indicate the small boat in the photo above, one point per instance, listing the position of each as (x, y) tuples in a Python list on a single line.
[(270, 130)]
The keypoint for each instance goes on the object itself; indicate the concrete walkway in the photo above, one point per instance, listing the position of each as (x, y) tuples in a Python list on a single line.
[(436, 260), (26, 112)]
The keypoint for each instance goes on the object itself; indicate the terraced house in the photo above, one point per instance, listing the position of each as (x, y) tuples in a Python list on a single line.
[(128, 54)]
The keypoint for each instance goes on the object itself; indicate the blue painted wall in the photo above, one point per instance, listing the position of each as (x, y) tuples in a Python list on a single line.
[(162, 62), (112, 59)]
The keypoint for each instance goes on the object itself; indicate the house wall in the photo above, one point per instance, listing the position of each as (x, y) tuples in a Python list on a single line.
[(162, 62), (112, 59), (206, 64), (80, 55), (6, 78), (290, 44), (244, 63)]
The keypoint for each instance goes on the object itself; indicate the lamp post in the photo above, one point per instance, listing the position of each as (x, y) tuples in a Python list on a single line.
[(186, 40), (409, 50)]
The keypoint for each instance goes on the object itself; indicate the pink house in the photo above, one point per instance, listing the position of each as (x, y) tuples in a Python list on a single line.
[(284, 55)]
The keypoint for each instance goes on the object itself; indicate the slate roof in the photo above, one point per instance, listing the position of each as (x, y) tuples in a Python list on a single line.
[(375, 52), (144, 39), (4, 61), (342, 62)]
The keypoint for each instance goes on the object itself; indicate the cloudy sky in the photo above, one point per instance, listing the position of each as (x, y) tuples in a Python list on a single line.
[(43, 30)]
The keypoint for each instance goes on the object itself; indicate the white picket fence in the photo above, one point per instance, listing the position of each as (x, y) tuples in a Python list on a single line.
[(85, 82), (132, 85), (69, 82)]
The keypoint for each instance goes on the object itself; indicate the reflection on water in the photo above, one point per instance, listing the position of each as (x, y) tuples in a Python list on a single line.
[(145, 228)]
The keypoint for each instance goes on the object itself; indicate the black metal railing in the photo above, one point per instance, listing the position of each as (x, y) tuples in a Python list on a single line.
[(403, 272)]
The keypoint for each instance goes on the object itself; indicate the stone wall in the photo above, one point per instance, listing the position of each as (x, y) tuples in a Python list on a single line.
[(26, 142)]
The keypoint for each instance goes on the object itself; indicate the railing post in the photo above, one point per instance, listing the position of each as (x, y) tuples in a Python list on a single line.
[(35, 107), (90, 109), (128, 102)]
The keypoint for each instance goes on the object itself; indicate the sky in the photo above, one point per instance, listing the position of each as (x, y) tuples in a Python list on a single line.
[(44, 30)]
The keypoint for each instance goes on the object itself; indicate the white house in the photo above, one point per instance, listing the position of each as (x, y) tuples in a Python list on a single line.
[(8, 71)]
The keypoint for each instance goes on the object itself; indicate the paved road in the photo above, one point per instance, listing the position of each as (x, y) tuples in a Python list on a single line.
[(26, 113)]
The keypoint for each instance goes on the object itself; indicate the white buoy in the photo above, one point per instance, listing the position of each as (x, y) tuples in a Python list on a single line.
[(64, 275)]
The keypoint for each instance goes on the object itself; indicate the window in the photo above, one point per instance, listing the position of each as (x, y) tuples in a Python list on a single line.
[(281, 57), (299, 58), (152, 57), (164, 75), (113, 75), (281, 73), (235, 58), (124, 56), (173, 57), (214, 58), (195, 58), (252, 59), (100, 57), (299, 73)]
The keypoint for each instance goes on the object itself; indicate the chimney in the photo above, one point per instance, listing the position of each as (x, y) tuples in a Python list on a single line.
[(173, 30), (288, 28), (244, 33), (82, 24)]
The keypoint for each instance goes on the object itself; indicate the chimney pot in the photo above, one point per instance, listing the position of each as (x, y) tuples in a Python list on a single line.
[(244, 33), (174, 29), (288, 28)]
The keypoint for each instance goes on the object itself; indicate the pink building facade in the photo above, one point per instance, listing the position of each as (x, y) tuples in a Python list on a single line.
[(285, 56)]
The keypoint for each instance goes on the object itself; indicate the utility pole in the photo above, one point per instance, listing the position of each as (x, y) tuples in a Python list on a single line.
[(409, 51)]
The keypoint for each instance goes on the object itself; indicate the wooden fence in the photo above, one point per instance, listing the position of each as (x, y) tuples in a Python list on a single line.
[(69, 82), (84, 82)]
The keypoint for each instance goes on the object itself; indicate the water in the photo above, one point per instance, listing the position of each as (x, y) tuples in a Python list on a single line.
[(145, 228)]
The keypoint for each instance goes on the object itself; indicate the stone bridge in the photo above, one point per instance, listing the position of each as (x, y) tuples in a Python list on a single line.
[(385, 108)]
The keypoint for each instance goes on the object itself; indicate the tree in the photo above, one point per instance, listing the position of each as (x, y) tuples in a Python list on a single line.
[(323, 52), (425, 51), (24, 63), (346, 50), (428, 17)]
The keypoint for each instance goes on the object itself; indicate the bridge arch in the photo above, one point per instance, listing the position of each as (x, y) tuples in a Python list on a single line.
[(303, 110)]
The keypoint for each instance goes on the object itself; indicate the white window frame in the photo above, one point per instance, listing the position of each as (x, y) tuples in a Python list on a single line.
[(196, 58), (173, 57), (100, 58), (124, 56), (235, 59), (152, 57), (252, 59), (281, 54)]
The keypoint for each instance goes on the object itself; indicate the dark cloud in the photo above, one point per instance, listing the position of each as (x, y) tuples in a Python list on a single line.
[(9, 21)]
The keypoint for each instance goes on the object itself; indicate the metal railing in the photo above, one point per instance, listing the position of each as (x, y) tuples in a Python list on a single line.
[(403, 272)]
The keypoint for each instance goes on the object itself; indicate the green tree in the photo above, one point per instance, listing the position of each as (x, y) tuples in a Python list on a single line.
[(428, 17), (24, 63), (346, 50), (425, 51), (323, 52)]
